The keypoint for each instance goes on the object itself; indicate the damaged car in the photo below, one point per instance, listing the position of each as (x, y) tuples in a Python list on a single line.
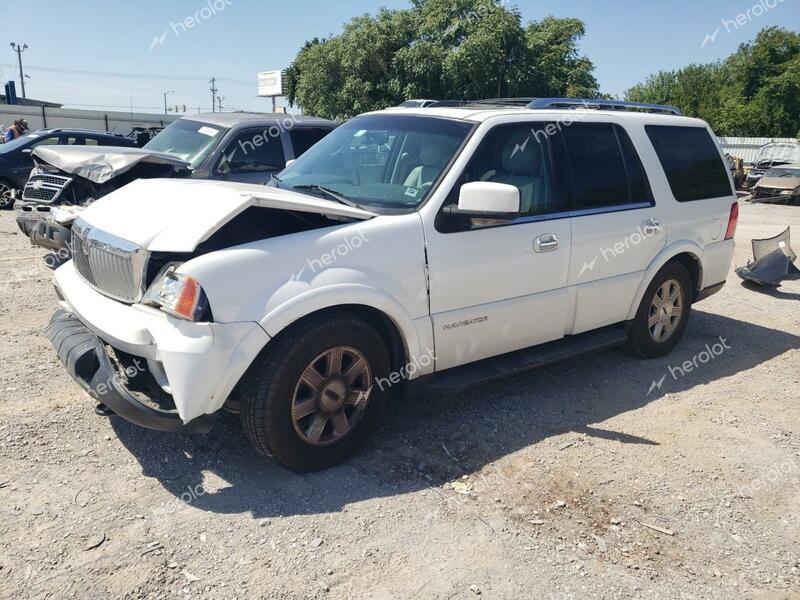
[(771, 155), (779, 185), (16, 162), (237, 147), (445, 246)]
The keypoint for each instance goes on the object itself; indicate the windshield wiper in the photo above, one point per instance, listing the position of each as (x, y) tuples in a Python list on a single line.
[(332, 194)]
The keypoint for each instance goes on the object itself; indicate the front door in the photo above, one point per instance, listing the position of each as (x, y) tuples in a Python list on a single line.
[(499, 287), (252, 156)]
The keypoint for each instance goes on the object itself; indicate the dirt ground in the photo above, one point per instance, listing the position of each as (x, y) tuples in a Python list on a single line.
[(582, 480)]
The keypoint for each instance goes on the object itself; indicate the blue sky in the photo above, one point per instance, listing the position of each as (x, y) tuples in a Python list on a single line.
[(627, 40)]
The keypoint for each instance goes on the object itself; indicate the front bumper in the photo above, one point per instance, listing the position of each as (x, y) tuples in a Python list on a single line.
[(198, 364), (88, 363), (32, 220)]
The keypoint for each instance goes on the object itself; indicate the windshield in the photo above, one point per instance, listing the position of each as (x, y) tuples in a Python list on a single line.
[(20, 142), (191, 141), (783, 172), (382, 160)]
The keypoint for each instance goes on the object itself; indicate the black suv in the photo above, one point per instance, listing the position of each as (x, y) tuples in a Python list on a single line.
[(15, 156)]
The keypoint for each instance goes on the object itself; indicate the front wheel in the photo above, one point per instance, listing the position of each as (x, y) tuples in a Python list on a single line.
[(310, 399), (663, 314), (6, 201)]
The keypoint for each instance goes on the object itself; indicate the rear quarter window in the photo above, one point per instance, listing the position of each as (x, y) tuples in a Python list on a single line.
[(691, 161)]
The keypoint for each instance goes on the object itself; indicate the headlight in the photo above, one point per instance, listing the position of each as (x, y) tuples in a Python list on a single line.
[(177, 294), (788, 192)]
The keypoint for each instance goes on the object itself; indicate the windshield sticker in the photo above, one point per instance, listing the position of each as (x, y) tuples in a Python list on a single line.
[(412, 192), (209, 131)]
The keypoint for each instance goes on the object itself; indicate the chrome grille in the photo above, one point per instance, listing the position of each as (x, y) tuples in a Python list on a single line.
[(45, 188), (113, 266)]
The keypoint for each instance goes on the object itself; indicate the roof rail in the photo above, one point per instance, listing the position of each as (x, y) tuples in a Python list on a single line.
[(542, 103), (489, 102)]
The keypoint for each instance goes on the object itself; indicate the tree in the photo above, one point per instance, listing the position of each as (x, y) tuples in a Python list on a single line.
[(754, 92), (441, 49)]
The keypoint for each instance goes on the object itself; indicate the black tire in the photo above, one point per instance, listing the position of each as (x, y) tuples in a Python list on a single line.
[(6, 203), (641, 340), (268, 389)]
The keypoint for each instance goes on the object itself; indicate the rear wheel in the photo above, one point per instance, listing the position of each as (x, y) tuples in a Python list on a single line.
[(309, 400), (663, 314)]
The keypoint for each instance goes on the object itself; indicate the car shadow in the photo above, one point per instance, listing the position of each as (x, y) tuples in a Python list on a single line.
[(426, 441)]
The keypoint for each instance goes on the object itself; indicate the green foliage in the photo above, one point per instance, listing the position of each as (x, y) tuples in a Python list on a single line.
[(441, 49), (754, 92)]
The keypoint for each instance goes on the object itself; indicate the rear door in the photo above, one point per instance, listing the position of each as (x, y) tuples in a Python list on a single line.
[(617, 226)]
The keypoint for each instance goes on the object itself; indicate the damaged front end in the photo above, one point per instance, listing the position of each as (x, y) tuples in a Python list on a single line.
[(135, 327), (778, 190), (66, 180)]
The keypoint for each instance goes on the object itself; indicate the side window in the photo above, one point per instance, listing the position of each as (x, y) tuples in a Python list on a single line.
[(599, 178), (517, 155), (691, 161), (253, 151), (305, 137), (51, 141), (638, 185), (91, 142)]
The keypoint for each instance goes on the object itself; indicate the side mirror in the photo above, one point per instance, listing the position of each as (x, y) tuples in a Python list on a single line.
[(26, 151), (487, 200)]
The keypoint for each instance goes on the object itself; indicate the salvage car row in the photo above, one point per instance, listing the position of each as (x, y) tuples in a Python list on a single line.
[(461, 240)]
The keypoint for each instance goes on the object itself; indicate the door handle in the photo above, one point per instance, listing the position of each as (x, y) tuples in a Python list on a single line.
[(546, 243), (651, 227)]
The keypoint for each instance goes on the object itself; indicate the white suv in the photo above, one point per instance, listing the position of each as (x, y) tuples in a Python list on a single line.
[(450, 245)]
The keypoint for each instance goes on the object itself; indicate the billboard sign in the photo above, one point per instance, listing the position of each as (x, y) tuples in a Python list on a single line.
[(271, 84)]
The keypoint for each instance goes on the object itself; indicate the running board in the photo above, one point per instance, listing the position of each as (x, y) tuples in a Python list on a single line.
[(459, 379)]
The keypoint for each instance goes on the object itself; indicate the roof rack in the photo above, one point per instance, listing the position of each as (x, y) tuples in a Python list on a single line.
[(492, 102), (543, 103)]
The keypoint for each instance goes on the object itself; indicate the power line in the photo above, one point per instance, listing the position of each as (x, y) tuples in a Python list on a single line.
[(116, 75)]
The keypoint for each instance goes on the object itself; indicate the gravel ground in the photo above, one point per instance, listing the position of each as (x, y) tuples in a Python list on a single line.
[(567, 483)]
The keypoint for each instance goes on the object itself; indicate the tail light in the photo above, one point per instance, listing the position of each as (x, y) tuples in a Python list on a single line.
[(733, 221)]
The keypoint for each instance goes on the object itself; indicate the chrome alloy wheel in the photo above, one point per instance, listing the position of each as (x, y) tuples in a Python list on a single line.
[(5, 197), (666, 310), (331, 396)]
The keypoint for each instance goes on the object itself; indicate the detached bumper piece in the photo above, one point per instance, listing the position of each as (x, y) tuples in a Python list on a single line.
[(90, 365), (52, 236), (774, 261)]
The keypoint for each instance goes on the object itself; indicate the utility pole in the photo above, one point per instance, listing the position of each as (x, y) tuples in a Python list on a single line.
[(219, 102), (165, 100), (19, 50), (214, 91)]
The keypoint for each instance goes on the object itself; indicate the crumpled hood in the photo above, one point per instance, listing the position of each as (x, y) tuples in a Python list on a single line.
[(102, 163), (779, 183), (176, 215)]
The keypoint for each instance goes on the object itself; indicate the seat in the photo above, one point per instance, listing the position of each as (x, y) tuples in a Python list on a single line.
[(522, 165), (434, 157)]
